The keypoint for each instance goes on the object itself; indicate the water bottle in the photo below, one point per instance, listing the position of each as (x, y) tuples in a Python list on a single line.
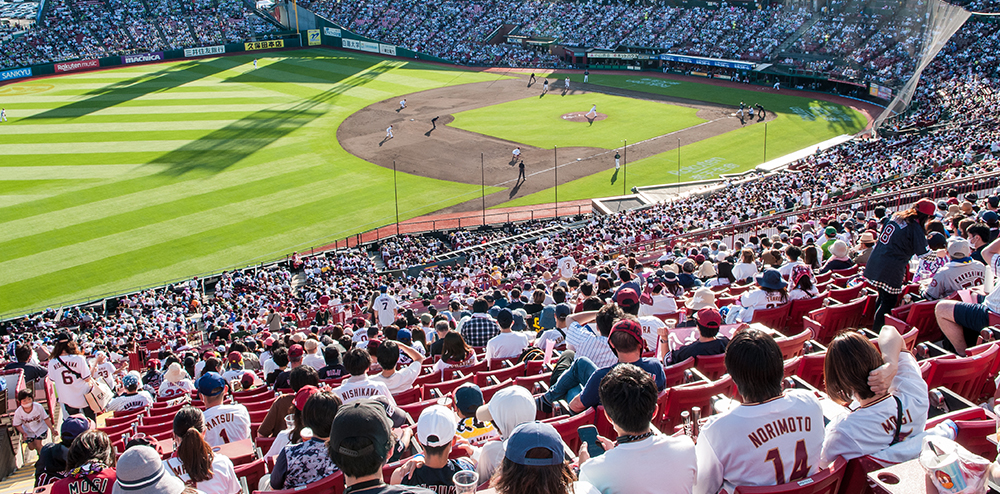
[(686, 419), (695, 421)]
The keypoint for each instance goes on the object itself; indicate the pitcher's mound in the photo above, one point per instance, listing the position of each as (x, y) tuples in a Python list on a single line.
[(579, 116)]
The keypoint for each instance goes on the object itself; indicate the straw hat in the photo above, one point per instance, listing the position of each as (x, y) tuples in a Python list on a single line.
[(703, 297)]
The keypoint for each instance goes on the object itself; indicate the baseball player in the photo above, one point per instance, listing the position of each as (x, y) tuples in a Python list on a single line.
[(516, 154), (959, 273), (566, 84), (3, 114), (750, 113), (618, 163), (773, 437), (760, 110), (388, 133), (593, 112), (777, 86), (545, 86), (255, 63), (586, 75), (402, 104)]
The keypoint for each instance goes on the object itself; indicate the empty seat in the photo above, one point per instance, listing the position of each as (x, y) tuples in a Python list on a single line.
[(965, 376)]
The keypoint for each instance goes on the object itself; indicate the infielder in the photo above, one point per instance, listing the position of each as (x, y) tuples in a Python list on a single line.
[(3, 114), (586, 75), (545, 86), (388, 133), (402, 104), (566, 84), (516, 154), (618, 162)]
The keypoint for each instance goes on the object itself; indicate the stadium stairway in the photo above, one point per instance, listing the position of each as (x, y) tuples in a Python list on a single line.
[(514, 239), (804, 28)]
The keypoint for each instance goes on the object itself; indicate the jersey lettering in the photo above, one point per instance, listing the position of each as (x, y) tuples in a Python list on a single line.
[(779, 427), (887, 233), (800, 470)]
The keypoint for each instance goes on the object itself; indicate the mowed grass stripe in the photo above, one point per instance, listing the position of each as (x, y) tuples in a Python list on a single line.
[(94, 119), (75, 172), (101, 146), (151, 100), (112, 127), (141, 110), (139, 135)]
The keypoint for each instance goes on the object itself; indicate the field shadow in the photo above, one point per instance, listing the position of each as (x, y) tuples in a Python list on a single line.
[(614, 178), (223, 148), (516, 188), (295, 70)]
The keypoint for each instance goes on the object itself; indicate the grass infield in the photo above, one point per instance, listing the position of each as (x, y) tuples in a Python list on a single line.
[(129, 177)]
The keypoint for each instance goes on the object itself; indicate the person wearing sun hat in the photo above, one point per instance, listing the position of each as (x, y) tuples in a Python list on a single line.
[(902, 237), (866, 242), (175, 382), (703, 297), (770, 292), (140, 471), (839, 257)]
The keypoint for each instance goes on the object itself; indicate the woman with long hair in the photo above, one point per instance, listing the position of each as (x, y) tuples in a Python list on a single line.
[(802, 284), (70, 372), (902, 238), (90, 465), (193, 460), (771, 292), (885, 385), (810, 256), (455, 353), (307, 461), (746, 268), (534, 463)]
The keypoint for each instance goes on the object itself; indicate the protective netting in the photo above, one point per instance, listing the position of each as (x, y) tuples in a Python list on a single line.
[(926, 26)]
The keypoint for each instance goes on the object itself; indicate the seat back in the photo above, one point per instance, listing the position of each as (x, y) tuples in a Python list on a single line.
[(528, 382), (414, 409), (712, 366), (677, 399), (798, 309), (965, 376), (411, 395), (826, 481), (845, 295), (835, 318), (253, 471), (445, 387), (975, 426), (811, 370), (922, 317), (567, 427), (501, 375), (792, 346), (675, 373), (152, 430), (489, 391), (259, 405), (792, 366), (334, 484), (773, 318)]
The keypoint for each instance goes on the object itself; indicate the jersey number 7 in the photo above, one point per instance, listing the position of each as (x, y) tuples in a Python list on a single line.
[(799, 471)]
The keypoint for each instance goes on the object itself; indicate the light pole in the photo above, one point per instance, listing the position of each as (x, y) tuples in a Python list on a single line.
[(555, 157), (395, 194), (482, 168), (625, 173)]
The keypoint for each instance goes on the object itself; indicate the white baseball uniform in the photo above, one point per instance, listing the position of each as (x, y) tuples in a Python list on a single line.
[(226, 424), (388, 132), (768, 443), (385, 306)]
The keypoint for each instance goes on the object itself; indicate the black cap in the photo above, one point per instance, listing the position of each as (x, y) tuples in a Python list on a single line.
[(362, 419)]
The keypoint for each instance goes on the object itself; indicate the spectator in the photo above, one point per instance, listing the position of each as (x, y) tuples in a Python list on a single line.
[(32, 421), (306, 462), (866, 243), (732, 446), (660, 302), (175, 384), (295, 355), (313, 357), (962, 272), (507, 409), (455, 353), (332, 369), (384, 306), (934, 259), (478, 328), (359, 385), (901, 239), (388, 356), (582, 340), (961, 322), (89, 465), (142, 471), (31, 371), (468, 399), (360, 443), (839, 257), (802, 284), (223, 423), (441, 329), (507, 344), (436, 434), (979, 237), (709, 342), (770, 292), (634, 463), (133, 398), (899, 391), (235, 371), (746, 269), (194, 462), (558, 332), (72, 376), (274, 421), (51, 463), (534, 464)]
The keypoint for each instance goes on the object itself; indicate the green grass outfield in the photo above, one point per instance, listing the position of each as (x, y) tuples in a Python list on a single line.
[(537, 121), (116, 179), (800, 123)]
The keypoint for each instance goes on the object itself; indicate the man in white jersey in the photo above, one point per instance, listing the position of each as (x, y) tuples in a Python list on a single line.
[(132, 399), (385, 307), (223, 423), (103, 370), (773, 437), (567, 266), (358, 386)]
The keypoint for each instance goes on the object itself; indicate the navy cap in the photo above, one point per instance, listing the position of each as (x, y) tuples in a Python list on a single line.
[(563, 310), (211, 384), (531, 435), (468, 398), (73, 426)]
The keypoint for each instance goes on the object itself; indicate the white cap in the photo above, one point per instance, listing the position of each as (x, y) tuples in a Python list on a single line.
[(436, 426), (959, 248)]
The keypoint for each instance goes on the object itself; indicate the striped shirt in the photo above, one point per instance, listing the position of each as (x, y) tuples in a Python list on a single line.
[(588, 342)]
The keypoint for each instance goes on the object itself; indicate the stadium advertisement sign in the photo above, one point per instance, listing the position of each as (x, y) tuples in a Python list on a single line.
[(712, 62), (313, 37), (142, 57), (353, 44), (15, 74), (264, 45), (332, 31), (204, 50), (880, 91), (77, 65), (387, 49)]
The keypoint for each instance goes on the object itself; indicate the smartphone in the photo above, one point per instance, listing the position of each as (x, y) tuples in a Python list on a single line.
[(588, 434)]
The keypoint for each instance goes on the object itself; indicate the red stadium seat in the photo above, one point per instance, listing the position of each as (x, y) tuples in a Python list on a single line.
[(257, 417), (127, 419), (921, 316), (171, 410), (264, 443), (528, 382), (825, 481), (845, 295), (157, 420), (975, 425), (792, 366), (773, 318), (567, 426), (712, 366), (799, 308), (676, 374), (811, 370), (153, 430), (489, 391), (252, 471), (965, 376), (498, 363), (482, 378), (445, 387), (333, 484), (411, 395), (792, 346), (259, 405), (414, 409), (677, 399), (252, 394), (829, 321)]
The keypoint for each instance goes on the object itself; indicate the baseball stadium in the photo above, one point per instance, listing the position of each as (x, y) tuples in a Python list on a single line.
[(236, 235)]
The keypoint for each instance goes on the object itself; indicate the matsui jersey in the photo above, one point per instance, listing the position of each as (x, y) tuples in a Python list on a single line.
[(770, 443), (226, 424)]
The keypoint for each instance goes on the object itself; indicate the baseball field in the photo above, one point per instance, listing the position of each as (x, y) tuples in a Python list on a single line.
[(117, 179)]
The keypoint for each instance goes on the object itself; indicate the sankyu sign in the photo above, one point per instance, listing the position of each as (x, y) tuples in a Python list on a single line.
[(387, 50), (204, 50), (144, 57), (78, 65), (264, 45), (332, 31), (15, 74), (353, 44)]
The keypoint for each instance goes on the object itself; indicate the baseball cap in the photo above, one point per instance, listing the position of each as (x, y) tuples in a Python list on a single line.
[(383, 288), (994, 201), (989, 216), (830, 231), (404, 335), (709, 317), (511, 403), (531, 435), (505, 317), (426, 318), (247, 380), (153, 364), (361, 419), (73, 426), (140, 470), (211, 384), (235, 357), (398, 417), (626, 297), (64, 337), (631, 327), (563, 310), (130, 381), (468, 398), (303, 395), (926, 206), (436, 426), (295, 353), (959, 248)]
